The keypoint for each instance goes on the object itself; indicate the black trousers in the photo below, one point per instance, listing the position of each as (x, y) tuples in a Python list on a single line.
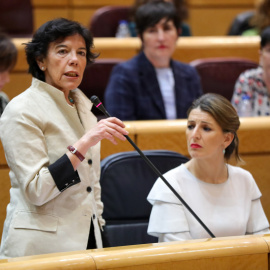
[(92, 240)]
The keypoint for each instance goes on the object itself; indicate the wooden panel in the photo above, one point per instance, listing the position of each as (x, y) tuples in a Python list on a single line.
[(207, 17), (77, 261), (191, 48), (258, 165), (100, 3), (42, 15), (117, 48), (50, 3), (18, 83), (5, 186), (217, 23), (220, 253), (107, 148), (3, 162), (187, 49), (206, 3), (82, 15), (21, 64)]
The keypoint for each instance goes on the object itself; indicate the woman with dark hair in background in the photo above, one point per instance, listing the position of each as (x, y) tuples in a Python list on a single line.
[(8, 58), (52, 146), (226, 198), (181, 7), (151, 85)]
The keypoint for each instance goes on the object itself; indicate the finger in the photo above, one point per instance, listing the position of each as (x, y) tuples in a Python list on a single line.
[(118, 134), (116, 121), (115, 126)]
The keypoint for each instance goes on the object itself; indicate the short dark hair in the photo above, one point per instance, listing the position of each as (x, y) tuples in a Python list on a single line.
[(225, 115), (265, 37), (49, 32), (8, 53), (152, 12)]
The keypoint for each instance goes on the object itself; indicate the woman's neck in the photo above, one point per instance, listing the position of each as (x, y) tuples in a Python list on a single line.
[(209, 172), (158, 62)]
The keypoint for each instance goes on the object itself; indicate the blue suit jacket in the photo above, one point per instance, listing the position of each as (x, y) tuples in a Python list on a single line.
[(133, 91)]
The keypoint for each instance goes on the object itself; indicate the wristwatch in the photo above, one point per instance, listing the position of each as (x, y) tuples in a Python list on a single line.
[(75, 152)]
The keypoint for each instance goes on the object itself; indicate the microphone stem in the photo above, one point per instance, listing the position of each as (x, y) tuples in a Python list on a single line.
[(152, 166), (169, 185)]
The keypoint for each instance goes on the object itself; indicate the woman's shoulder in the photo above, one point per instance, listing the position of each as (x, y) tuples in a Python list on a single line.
[(241, 177), (254, 73), (243, 181), (161, 192), (184, 69), (237, 172)]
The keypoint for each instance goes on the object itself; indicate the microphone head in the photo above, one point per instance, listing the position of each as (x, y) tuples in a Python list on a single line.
[(95, 100)]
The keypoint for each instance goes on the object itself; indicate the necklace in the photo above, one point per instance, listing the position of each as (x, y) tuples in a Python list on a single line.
[(71, 100)]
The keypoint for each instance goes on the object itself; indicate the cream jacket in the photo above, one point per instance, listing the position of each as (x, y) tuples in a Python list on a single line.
[(36, 128)]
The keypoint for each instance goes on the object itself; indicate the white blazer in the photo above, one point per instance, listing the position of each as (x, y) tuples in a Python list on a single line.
[(36, 128)]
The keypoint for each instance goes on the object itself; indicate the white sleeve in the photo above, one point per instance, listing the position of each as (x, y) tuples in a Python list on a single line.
[(257, 222), (168, 220), (168, 237)]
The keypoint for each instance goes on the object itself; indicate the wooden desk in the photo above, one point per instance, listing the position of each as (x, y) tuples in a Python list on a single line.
[(244, 252)]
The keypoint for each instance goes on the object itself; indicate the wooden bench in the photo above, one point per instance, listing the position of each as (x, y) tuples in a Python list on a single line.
[(238, 253), (188, 49), (206, 17)]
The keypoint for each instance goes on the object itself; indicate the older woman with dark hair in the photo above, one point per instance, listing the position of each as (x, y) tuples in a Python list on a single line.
[(8, 58), (226, 198), (152, 85), (52, 146)]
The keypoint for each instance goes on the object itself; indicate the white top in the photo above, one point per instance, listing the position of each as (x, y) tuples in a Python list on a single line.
[(228, 209), (166, 84)]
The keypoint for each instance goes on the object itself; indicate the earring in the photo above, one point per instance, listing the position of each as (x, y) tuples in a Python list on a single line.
[(224, 151), (42, 68)]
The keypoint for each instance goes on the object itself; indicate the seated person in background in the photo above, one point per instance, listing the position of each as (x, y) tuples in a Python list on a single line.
[(255, 83), (226, 198), (152, 85), (261, 18), (8, 58), (181, 7)]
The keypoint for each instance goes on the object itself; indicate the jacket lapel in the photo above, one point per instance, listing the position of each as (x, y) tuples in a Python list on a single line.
[(84, 106)]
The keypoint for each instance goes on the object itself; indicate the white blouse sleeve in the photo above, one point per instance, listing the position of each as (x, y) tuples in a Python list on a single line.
[(257, 222), (168, 222), (168, 237)]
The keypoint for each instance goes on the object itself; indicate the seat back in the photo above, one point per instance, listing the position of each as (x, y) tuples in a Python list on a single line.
[(96, 77), (105, 20), (241, 23), (125, 181), (219, 75), (16, 18)]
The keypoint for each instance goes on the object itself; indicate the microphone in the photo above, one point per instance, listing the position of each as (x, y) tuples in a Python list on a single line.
[(98, 104)]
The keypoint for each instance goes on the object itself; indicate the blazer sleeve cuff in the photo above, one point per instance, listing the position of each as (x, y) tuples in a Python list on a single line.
[(63, 173)]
